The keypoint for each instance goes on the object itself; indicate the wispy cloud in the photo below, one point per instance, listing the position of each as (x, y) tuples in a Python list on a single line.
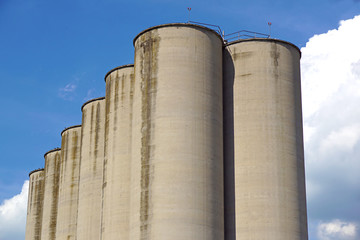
[(90, 94), (67, 92), (13, 215)]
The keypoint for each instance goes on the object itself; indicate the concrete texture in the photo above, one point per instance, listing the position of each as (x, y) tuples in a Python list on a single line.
[(68, 183), (177, 150), (51, 190), (265, 180), (91, 170), (116, 186), (34, 208), (196, 140)]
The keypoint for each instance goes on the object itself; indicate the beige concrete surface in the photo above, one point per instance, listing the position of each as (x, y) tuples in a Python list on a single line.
[(116, 187), (68, 183), (263, 129), (177, 150), (195, 141), (51, 190), (34, 207), (91, 170)]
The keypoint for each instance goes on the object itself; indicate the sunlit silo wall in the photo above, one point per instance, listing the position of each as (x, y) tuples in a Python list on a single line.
[(264, 140), (49, 215), (116, 186), (68, 183), (35, 202), (200, 139), (177, 150), (91, 169)]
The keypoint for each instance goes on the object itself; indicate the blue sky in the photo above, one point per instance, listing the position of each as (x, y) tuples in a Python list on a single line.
[(54, 55)]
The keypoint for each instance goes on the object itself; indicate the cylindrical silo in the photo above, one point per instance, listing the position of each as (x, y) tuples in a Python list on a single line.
[(91, 169), (68, 183), (177, 151), (264, 141), (51, 190), (116, 187), (35, 205)]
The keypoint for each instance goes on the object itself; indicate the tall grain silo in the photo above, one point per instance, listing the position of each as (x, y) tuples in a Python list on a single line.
[(91, 169), (177, 141), (118, 127), (34, 207), (68, 183), (264, 141), (51, 190)]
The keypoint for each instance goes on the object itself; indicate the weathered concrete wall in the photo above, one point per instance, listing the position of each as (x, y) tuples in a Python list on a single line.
[(49, 215), (264, 140), (177, 150), (116, 187), (91, 170), (193, 141), (68, 183), (34, 208)]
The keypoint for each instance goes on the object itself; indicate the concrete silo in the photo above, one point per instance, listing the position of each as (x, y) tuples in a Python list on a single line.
[(264, 141), (51, 190), (116, 186), (91, 169), (34, 207), (68, 183), (177, 141)]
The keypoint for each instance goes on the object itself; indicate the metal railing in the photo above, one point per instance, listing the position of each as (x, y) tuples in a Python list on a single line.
[(243, 34), (216, 28)]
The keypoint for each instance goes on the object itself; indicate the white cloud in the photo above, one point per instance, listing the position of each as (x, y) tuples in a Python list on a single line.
[(69, 88), (67, 92), (329, 62), (343, 139), (331, 108), (13, 215), (336, 230)]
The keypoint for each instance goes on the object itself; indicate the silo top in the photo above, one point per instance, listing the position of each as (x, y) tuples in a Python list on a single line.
[(52, 150), (75, 126), (36, 170), (117, 68), (178, 25), (92, 100), (264, 40)]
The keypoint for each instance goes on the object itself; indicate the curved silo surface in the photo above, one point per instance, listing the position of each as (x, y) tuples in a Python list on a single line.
[(68, 183), (49, 215), (116, 187), (35, 205), (262, 106), (91, 169), (177, 150)]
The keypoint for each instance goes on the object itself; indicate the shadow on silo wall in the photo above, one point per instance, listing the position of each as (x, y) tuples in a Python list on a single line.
[(228, 129)]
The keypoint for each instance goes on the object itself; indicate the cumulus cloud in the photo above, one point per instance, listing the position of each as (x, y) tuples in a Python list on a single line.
[(67, 92), (330, 62), (336, 230), (331, 109), (13, 215)]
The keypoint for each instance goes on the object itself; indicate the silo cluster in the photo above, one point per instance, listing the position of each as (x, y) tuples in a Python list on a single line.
[(199, 139)]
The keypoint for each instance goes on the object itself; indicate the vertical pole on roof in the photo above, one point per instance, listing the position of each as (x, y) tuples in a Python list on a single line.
[(269, 23), (189, 9)]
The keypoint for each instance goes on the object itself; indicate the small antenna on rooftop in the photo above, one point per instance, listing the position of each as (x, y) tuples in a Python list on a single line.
[(269, 23), (189, 9)]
